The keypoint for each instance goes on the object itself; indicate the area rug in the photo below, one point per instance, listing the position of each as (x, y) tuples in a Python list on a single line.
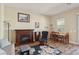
[(44, 50), (37, 50)]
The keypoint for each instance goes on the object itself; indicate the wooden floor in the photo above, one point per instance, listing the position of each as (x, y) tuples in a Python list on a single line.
[(67, 49)]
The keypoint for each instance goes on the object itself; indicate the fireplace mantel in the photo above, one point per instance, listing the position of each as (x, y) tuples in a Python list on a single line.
[(23, 32)]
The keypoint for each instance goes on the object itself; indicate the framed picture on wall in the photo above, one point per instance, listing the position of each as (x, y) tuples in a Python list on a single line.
[(23, 17), (37, 24)]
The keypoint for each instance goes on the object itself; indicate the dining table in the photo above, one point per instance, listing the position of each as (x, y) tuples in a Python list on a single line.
[(60, 37)]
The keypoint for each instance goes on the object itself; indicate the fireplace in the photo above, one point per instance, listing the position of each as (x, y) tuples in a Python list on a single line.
[(24, 39), (24, 36)]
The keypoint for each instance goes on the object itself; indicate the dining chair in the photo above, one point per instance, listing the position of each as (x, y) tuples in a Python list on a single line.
[(44, 37), (54, 36), (37, 36), (64, 38)]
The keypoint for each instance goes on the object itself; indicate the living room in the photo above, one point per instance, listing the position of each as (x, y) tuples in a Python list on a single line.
[(58, 20)]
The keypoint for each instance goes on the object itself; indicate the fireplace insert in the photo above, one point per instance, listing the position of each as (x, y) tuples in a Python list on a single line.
[(24, 39)]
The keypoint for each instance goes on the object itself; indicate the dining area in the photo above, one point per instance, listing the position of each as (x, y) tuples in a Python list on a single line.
[(60, 37), (45, 36)]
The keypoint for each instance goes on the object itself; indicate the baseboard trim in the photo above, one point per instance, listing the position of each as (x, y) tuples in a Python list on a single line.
[(74, 43)]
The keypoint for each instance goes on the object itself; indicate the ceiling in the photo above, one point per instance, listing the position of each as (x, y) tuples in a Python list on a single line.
[(45, 8)]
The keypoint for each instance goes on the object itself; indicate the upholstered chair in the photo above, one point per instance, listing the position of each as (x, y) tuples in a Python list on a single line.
[(44, 37)]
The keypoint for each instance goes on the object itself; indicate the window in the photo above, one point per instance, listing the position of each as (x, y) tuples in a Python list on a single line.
[(60, 24)]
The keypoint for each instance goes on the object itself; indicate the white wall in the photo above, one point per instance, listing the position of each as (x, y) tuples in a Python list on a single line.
[(1, 21), (70, 23), (77, 20), (12, 17)]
